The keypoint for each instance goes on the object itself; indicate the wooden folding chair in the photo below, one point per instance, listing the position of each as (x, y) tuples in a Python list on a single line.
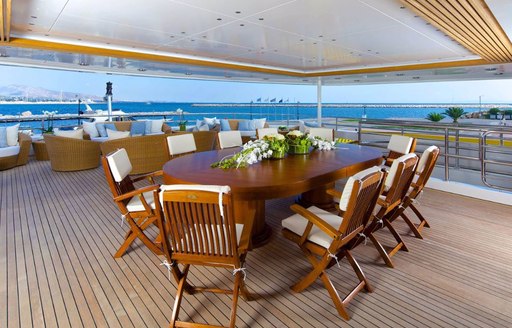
[(137, 206), (260, 133), (396, 187), (181, 144), (423, 172), (229, 139), (199, 228), (399, 145), (323, 133), (326, 238)]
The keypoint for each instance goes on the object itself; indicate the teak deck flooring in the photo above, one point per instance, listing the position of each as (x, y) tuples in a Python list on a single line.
[(58, 232)]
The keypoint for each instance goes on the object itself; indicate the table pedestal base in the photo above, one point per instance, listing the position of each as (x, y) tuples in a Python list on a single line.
[(318, 197), (253, 212)]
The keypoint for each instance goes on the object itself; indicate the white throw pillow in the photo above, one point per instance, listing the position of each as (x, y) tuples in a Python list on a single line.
[(90, 129), (74, 134), (12, 135), (156, 126), (112, 134), (259, 123)]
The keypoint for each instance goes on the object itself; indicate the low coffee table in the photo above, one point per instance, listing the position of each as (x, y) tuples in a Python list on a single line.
[(40, 150)]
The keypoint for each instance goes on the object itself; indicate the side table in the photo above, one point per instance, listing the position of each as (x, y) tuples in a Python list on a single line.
[(40, 150)]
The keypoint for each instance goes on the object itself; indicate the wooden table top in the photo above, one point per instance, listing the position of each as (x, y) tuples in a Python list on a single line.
[(273, 178)]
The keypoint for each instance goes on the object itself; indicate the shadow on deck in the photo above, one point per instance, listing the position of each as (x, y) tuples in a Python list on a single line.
[(58, 232)]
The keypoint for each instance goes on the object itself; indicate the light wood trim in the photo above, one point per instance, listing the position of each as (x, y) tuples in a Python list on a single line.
[(469, 22), (61, 47), (8, 20), (2, 21)]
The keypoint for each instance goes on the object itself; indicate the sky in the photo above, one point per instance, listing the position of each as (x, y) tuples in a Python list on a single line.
[(134, 88)]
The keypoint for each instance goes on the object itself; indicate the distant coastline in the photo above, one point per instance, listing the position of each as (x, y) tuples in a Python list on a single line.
[(348, 105)]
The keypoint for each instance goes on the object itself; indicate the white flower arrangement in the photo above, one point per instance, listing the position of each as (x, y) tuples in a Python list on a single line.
[(252, 152), (322, 144)]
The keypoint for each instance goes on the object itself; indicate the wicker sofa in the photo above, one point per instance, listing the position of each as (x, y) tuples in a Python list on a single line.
[(126, 126), (69, 154), (21, 158)]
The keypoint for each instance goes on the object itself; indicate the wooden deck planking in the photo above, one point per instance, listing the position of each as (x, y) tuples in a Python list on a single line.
[(59, 230)]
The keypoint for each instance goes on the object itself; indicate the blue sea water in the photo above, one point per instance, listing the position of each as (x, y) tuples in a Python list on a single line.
[(240, 111)]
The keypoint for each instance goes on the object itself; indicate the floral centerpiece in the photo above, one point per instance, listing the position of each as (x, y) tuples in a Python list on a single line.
[(49, 119), (298, 142), (252, 152), (322, 144), (278, 144), (182, 123)]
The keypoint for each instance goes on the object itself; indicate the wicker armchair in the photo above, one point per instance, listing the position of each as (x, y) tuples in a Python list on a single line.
[(147, 153), (68, 154), (19, 159)]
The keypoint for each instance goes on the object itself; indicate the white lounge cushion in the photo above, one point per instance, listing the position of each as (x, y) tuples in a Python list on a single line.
[(180, 144), (400, 144), (394, 168), (113, 134), (90, 129), (120, 165), (9, 151), (323, 133), (73, 134), (99, 139), (423, 160), (135, 204), (347, 190), (12, 135), (228, 139), (297, 224), (265, 132), (251, 134), (259, 123), (156, 126)]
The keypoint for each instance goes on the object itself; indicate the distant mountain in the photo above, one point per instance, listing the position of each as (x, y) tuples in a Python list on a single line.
[(23, 92)]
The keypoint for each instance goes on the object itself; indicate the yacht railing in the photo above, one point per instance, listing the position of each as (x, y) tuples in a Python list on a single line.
[(470, 153)]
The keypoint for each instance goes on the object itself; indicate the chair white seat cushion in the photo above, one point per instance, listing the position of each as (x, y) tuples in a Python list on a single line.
[(297, 224), (135, 204), (9, 151)]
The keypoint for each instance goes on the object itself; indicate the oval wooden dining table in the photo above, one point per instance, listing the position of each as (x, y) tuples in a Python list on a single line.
[(306, 175)]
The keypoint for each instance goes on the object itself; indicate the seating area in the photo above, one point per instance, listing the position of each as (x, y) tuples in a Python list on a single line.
[(60, 269), (14, 152)]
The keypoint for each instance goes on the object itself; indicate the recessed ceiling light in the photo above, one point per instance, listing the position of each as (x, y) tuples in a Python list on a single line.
[(34, 17), (261, 18), (238, 12), (333, 40), (490, 69), (320, 36), (219, 19), (182, 32), (415, 77), (242, 24)]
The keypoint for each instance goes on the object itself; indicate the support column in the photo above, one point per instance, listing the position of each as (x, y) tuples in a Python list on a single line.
[(319, 102)]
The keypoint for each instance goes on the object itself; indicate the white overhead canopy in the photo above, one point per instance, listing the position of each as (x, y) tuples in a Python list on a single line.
[(274, 41)]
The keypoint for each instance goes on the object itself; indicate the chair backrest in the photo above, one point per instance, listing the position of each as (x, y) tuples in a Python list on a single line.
[(228, 139), (117, 167), (424, 170), (181, 144), (324, 133), (200, 223), (359, 198), (399, 179), (399, 145), (260, 133)]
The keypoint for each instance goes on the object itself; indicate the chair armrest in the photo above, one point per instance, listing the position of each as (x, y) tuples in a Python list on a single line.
[(136, 192), (316, 220), (148, 176)]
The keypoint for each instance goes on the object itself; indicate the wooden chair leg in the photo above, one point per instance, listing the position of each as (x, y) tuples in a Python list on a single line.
[(137, 231), (381, 250), (400, 242), (423, 221), (179, 296), (358, 271), (236, 290), (311, 276), (411, 225), (338, 303)]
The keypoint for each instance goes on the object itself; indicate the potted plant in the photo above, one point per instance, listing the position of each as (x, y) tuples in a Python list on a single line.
[(455, 113), (182, 124), (278, 144), (434, 117), (493, 113), (298, 142), (49, 118)]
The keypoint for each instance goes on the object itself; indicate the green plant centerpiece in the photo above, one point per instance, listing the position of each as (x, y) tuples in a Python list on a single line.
[(434, 117), (182, 124), (455, 113), (298, 142), (277, 144)]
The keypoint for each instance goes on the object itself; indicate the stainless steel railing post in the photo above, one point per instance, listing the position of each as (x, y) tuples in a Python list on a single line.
[(446, 154)]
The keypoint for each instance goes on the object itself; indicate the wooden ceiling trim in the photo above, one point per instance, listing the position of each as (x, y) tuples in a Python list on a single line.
[(390, 69), (474, 25), (440, 18), (8, 12), (2, 36), (469, 22), (499, 34)]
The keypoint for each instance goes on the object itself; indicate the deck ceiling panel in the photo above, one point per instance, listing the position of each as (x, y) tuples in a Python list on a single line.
[(269, 39)]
